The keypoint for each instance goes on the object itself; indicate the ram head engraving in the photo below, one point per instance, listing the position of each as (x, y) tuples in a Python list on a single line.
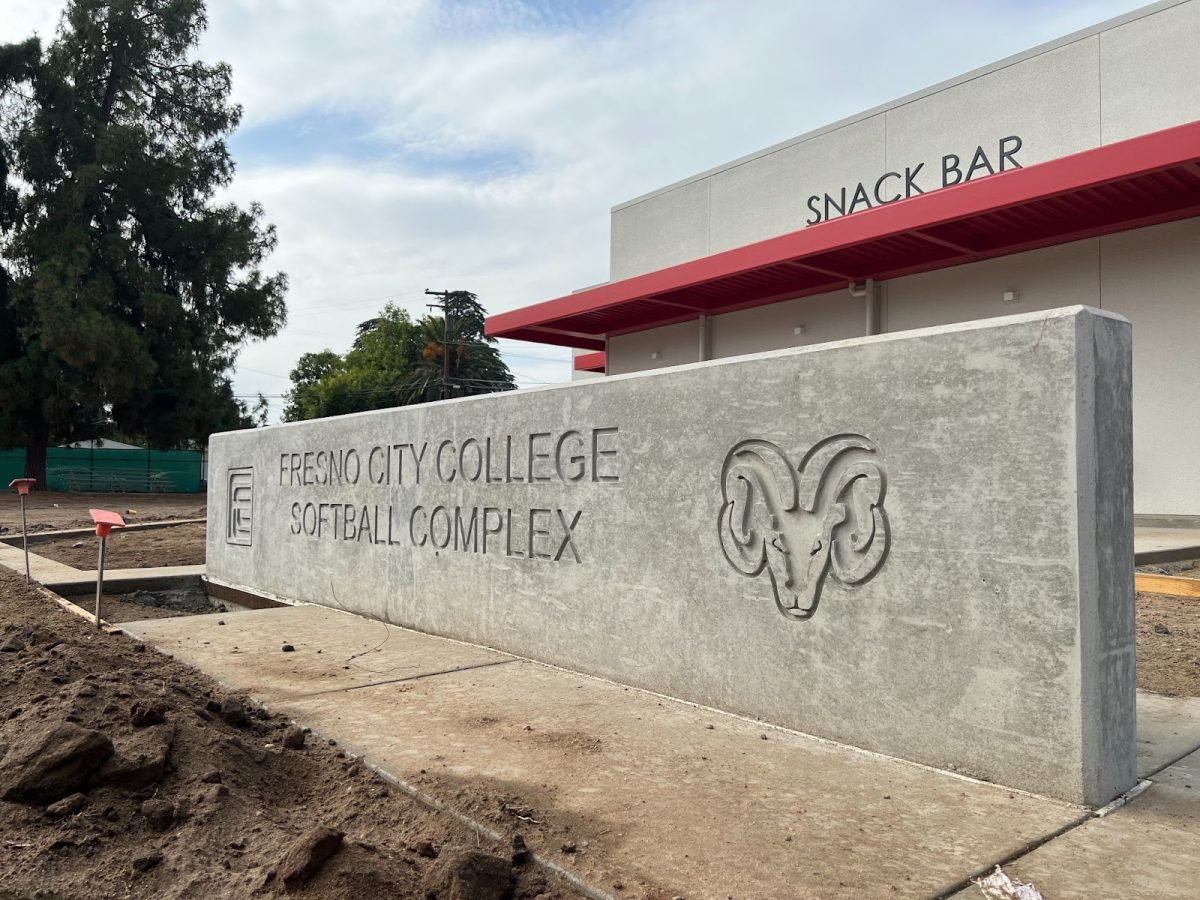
[(802, 523)]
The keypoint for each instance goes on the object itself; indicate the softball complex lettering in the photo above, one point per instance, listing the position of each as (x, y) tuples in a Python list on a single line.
[(801, 523), (534, 532)]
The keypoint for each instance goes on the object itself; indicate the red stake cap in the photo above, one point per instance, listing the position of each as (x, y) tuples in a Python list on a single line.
[(22, 485), (106, 521)]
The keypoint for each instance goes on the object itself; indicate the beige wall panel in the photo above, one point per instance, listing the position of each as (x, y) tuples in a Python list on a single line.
[(1052, 101), (765, 197), (1041, 279), (824, 317), (1150, 73), (674, 344), (660, 231), (1152, 276)]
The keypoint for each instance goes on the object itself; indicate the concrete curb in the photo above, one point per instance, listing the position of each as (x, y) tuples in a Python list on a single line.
[(123, 580), (38, 537)]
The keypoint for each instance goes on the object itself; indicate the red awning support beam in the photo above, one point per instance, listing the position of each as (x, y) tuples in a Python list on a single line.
[(688, 306), (1142, 181), (958, 248), (582, 341), (820, 270)]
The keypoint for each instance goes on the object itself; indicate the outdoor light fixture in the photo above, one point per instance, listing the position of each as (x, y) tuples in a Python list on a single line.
[(23, 486), (799, 329), (105, 522), (1009, 297)]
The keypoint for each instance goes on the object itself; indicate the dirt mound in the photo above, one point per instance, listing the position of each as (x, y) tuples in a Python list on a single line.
[(307, 854), (50, 762), (130, 775), (461, 874)]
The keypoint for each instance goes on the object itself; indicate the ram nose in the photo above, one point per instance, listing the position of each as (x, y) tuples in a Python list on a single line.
[(799, 591)]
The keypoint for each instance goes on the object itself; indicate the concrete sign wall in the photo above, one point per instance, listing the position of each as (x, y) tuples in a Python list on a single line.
[(920, 545)]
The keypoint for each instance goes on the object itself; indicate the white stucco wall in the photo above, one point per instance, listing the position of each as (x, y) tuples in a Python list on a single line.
[(1040, 279), (1152, 276), (1130, 76), (671, 345), (824, 317)]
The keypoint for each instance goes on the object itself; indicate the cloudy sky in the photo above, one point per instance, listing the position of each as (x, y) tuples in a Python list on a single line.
[(400, 145)]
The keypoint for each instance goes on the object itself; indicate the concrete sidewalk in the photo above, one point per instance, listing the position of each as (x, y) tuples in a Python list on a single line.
[(1152, 545), (41, 568), (645, 797), (70, 582)]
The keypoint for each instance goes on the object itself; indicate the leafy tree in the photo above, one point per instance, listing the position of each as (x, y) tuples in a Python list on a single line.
[(369, 376), (395, 361), (126, 290), (309, 396), (259, 414)]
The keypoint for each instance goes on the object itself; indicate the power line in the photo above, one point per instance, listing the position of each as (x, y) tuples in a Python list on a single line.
[(259, 372), (334, 307), (528, 356), (530, 379)]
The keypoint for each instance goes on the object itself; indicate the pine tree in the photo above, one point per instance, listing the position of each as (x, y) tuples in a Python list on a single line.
[(126, 290)]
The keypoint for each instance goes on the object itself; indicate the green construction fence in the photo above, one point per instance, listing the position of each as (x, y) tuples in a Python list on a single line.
[(105, 469)]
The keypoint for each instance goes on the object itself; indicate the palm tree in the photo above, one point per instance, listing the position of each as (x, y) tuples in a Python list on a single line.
[(457, 361)]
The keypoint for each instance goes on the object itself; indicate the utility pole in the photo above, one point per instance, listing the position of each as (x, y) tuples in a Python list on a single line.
[(444, 307)]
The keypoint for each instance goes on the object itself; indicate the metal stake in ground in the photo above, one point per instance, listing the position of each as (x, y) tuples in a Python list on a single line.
[(23, 486), (105, 522)]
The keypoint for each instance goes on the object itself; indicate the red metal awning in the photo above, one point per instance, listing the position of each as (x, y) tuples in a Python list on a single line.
[(590, 362), (1143, 181)]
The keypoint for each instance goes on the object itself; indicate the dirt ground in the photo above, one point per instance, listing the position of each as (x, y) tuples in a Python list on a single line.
[(116, 608), (50, 510), (205, 796), (121, 608), (1168, 645), (179, 545), (161, 604)]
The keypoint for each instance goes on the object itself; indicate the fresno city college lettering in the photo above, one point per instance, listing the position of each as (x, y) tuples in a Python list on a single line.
[(892, 186), (534, 532)]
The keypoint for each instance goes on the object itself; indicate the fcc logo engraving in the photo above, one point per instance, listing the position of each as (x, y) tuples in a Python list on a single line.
[(239, 528)]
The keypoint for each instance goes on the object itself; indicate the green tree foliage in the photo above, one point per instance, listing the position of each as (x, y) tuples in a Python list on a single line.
[(395, 361), (126, 290)]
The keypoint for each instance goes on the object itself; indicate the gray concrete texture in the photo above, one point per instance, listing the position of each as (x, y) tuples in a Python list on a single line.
[(919, 545), (670, 800)]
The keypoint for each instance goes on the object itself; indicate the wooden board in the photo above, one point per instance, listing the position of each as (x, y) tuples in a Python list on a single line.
[(1167, 584)]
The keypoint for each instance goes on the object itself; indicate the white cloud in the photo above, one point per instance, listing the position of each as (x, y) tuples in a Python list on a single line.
[(577, 113), (24, 18)]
